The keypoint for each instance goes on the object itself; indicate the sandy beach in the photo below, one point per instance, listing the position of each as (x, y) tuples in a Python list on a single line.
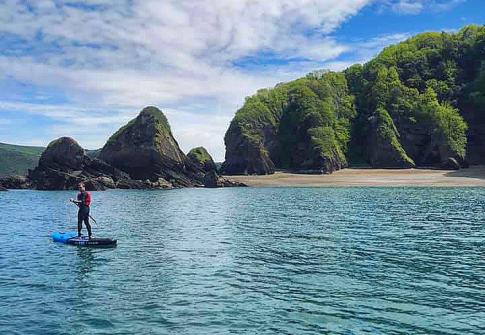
[(473, 176)]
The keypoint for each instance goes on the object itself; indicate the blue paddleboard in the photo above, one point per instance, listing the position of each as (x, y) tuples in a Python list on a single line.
[(72, 238)]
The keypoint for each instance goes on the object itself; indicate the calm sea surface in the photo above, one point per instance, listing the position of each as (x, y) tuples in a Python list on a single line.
[(247, 261)]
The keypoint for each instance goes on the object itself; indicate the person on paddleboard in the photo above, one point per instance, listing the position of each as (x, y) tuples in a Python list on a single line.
[(83, 202)]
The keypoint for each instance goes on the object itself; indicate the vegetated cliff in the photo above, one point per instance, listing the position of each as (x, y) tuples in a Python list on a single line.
[(301, 125), (418, 103)]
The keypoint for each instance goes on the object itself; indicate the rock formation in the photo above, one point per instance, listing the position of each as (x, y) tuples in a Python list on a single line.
[(212, 180), (202, 159), (141, 155), (146, 149), (15, 182), (64, 164)]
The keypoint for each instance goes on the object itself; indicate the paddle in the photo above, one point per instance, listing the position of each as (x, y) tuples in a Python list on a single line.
[(72, 200)]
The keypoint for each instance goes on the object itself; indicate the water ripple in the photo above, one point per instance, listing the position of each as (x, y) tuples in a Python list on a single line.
[(248, 261)]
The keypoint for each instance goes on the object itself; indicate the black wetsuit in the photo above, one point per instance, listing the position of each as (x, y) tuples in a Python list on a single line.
[(83, 213)]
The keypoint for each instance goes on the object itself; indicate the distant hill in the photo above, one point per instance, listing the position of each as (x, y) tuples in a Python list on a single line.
[(17, 159)]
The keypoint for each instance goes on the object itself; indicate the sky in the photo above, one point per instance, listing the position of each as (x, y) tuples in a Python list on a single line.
[(85, 68)]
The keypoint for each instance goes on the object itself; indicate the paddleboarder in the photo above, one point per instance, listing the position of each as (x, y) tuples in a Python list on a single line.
[(83, 202)]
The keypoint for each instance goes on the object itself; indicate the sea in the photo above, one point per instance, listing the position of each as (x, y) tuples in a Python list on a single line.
[(357, 260)]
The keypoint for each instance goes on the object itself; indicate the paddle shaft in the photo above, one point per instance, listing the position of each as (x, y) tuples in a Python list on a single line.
[(88, 214)]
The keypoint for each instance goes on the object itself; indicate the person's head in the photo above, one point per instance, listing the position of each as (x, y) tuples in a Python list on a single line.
[(81, 187)]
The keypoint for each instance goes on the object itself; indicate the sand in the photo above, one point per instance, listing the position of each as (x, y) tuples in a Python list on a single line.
[(473, 176)]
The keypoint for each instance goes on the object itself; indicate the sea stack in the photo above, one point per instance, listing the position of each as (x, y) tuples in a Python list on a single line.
[(202, 159), (146, 149)]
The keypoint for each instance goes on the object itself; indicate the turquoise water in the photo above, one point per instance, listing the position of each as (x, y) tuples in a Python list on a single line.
[(248, 261)]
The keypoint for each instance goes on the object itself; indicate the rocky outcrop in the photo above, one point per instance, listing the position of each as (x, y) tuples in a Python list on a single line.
[(15, 182), (245, 155), (213, 180), (202, 159), (141, 155), (450, 164), (146, 149), (64, 164), (2, 189)]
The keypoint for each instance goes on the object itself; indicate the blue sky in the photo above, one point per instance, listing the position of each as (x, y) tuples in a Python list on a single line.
[(84, 68)]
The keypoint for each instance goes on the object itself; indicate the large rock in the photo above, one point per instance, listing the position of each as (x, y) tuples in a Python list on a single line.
[(146, 149), (15, 182), (213, 180), (202, 159), (144, 184), (63, 152), (64, 164), (450, 164), (246, 156)]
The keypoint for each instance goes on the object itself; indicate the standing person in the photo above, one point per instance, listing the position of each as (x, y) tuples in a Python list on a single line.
[(83, 202)]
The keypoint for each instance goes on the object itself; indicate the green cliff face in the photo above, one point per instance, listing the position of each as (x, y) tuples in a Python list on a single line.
[(418, 103), (421, 83), (302, 125)]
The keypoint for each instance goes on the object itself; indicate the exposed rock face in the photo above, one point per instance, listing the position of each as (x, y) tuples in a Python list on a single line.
[(244, 156), (201, 158), (212, 180), (63, 165), (146, 149)]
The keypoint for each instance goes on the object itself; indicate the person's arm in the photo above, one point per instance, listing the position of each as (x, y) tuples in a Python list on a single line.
[(77, 202), (87, 199)]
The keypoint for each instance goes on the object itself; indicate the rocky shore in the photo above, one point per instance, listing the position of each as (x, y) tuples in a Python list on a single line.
[(141, 155)]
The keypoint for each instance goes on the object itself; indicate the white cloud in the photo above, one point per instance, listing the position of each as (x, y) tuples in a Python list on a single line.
[(413, 7), (112, 57), (408, 7)]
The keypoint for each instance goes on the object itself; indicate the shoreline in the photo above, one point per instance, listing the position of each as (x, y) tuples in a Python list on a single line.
[(473, 176)]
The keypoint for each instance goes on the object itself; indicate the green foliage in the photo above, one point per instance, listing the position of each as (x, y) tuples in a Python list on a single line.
[(387, 132), (16, 159), (452, 128), (416, 88), (476, 91), (200, 154), (310, 119)]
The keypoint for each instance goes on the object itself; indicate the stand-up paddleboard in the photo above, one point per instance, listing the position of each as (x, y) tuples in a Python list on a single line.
[(72, 238)]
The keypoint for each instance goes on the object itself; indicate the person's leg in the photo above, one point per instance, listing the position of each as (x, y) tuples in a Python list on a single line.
[(88, 225), (79, 223)]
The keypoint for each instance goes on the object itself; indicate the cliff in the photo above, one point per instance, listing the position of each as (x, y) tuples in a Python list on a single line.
[(418, 103)]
